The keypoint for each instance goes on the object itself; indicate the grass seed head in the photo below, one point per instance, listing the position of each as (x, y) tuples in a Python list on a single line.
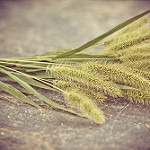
[(86, 78), (119, 75), (92, 93), (85, 105)]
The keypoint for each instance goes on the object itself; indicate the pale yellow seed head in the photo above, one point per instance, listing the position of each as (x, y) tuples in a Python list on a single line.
[(85, 105)]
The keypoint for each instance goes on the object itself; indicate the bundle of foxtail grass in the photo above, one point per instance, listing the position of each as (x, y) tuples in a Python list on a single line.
[(85, 80)]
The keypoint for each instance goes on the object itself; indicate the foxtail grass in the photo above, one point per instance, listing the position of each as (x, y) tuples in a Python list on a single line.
[(85, 105), (83, 77), (121, 69), (118, 75)]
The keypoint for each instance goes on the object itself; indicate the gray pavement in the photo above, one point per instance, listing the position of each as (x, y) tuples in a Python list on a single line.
[(35, 26)]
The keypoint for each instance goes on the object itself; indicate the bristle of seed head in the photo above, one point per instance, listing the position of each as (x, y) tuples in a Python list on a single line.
[(136, 95), (145, 74), (143, 65)]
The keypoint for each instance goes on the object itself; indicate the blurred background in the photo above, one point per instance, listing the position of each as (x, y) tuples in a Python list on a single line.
[(35, 26)]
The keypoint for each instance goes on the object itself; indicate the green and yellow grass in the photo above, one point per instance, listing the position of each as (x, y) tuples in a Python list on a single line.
[(85, 80)]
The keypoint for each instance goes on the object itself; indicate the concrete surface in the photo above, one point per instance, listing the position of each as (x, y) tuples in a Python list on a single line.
[(34, 26)]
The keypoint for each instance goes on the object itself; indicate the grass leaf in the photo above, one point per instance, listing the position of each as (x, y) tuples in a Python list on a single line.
[(15, 92)]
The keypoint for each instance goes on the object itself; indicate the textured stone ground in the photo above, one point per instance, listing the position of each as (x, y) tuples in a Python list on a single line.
[(35, 26)]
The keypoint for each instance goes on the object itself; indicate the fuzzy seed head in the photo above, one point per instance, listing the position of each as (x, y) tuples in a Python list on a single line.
[(86, 106)]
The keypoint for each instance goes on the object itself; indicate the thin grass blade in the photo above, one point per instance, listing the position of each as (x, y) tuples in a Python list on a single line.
[(15, 92), (101, 37), (37, 94)]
